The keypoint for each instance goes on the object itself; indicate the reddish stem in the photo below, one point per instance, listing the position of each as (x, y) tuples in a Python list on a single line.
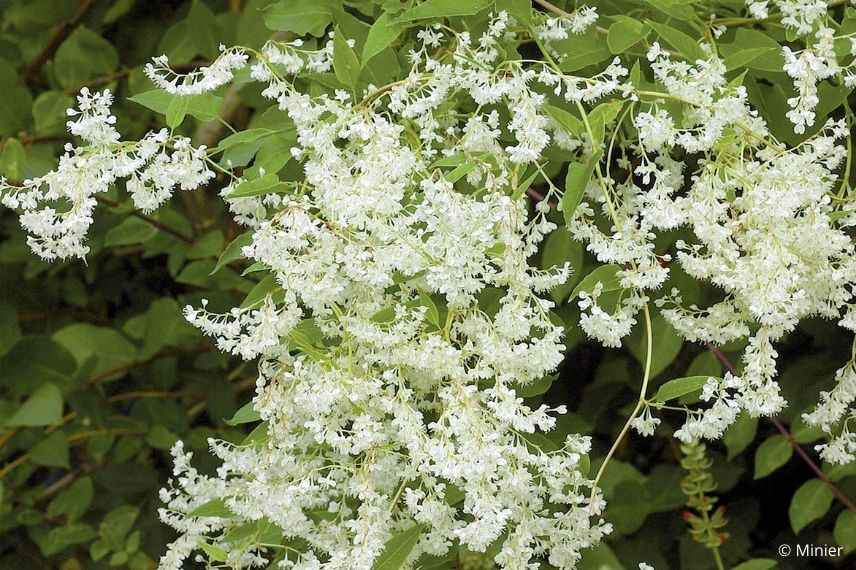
[(845, 500)]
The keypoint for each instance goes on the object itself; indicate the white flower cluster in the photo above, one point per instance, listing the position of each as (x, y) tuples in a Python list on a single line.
[(552, 29), (808, 68), (834, 413), (57, 207), (763, 228), (406, 315), (201, 80), (801, 16)]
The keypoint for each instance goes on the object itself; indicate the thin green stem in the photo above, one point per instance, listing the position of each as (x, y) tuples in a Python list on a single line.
[(715, 550), (640, 402)]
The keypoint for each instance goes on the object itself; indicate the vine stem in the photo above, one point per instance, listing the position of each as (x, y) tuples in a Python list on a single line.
[(640, 402), (845, 500), (148, 219), (33, 70), (716, 556), (552, 8)]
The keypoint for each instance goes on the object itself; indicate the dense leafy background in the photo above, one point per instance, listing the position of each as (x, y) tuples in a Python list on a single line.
[(100, 374)]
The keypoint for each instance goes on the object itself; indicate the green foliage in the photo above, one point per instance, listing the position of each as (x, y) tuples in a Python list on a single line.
[(811, 501), (706, 524), (397, 548), (774, 452)]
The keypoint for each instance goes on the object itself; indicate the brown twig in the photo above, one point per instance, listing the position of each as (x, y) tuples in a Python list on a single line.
[(806, 458), (148, 219), (107, 374), (193, 411), (33, 71), (538, 197)]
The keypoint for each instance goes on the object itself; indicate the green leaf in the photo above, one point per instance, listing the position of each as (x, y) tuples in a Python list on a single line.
[(684, 44), (274, 153), (117, 524), (520, 10), (214, 552), (577, 179), (159, 437), (803, 432), (84, 55), (523, 186), (460, 171), (705, 364), (665, 346), (625, 33), (233, 251), (559, 248), (679, 387), (52, 451), (267, 184), (205, 106), (131, 230), (13, 159), (209, 245), (774, 452), (382, 34), (176, 111), (245, 415), (444, 9), (756, 49), (840, 471), (811, 501), (42, 408), (74, 501), (432, 314), (628, 506), (601, 557), (15, 112), (346, 65), (307, 338), (117, 10), (165, 326), (49, 112), (265, 287), (240, 148), (572, 125), (679, 9), (197, 35), (196, 273), (98, 550), (299, 16), (740, 434), (537, 387), (450, 161), (582, 50), (10, 330), (605, 274), (599, 118), (213, 508), (757, 564), (744, 57), (113, 351), (62, 537), (397, 548), (845, 530)]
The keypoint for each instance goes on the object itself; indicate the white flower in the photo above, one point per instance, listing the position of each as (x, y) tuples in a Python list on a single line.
[(645, 423), (202, 80)]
